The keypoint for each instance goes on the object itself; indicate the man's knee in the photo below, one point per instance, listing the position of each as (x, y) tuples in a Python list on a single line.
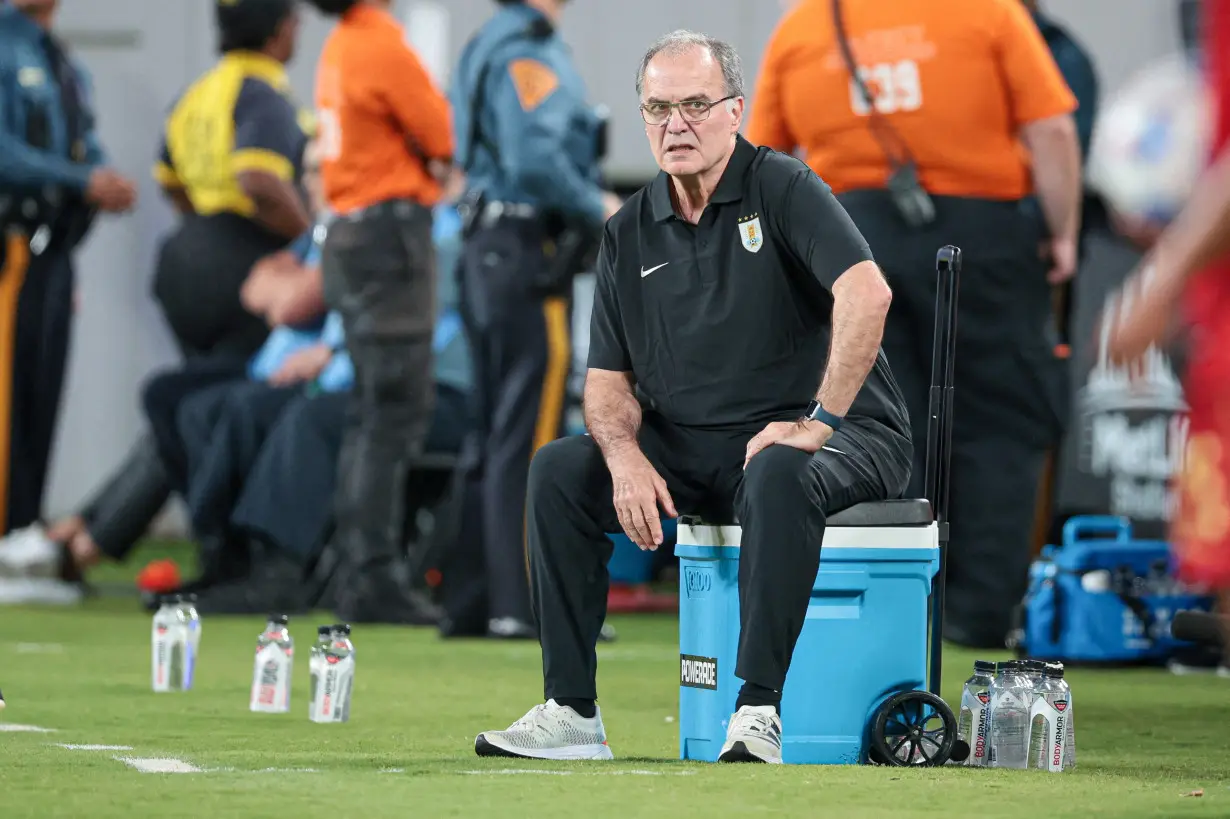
[(778, 475), (565, 464)]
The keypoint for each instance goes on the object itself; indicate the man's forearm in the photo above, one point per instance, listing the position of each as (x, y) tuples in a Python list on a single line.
[(859, 311), (1056, 168), (612, 413), (1201, 233)]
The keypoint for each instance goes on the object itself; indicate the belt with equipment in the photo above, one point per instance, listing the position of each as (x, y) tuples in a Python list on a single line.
[(570, 249)]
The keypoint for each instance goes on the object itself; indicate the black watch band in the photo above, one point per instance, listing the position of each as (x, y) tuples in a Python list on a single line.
[(815, 412)]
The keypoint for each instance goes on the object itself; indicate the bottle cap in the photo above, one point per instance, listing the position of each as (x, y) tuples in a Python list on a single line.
[(191, 598), (324, 631), (1006, 665), (344, 628), (1054, 670), (985, 666), (280, 619), (179, 598)]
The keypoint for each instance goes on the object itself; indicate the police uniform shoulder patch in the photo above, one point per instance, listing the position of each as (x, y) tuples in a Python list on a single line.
[(31, 77), (533, 80), (751, 233)]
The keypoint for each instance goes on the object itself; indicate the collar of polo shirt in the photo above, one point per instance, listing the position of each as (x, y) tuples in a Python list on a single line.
[(729, 188)]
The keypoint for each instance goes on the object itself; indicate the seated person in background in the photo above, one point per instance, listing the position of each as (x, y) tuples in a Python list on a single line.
[(697, 399), (284, 504), (246, 404), (262, 454)]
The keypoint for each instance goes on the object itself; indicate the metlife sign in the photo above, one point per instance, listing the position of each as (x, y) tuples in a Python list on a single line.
[(1128, 433)]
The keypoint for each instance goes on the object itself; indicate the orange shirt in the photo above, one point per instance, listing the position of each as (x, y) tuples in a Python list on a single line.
[(379, 113), (956, 79)]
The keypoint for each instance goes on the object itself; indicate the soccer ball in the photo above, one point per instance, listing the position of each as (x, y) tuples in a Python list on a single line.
[(1150, 141)]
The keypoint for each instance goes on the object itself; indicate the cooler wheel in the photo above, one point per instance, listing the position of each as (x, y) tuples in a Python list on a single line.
[(913, 728)]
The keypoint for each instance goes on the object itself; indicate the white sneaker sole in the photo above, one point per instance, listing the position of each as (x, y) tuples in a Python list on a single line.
[(485, 745)]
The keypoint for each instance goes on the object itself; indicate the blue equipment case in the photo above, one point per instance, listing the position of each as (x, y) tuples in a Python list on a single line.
[(1063, 618)]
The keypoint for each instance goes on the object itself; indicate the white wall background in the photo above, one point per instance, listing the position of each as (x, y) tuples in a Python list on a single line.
[(142, 52)]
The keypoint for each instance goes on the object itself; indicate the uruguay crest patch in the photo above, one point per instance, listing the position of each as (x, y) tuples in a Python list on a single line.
[(751, 233)]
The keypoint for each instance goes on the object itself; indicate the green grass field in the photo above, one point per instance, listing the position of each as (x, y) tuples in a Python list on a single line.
[(1146, 739)]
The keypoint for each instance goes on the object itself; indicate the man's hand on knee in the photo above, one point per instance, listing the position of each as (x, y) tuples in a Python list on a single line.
[(808, 436), (638, 489)]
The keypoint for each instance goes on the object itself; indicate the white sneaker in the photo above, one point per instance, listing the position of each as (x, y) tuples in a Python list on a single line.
[(39, 591), (548, 731), (754, 735), (28, 554)]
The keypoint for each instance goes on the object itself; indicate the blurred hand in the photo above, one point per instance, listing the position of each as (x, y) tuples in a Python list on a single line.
[(638, 489), (1061, 255), (808, 436), (302, 365), (110, 191), (1140, 315), (611, 204)]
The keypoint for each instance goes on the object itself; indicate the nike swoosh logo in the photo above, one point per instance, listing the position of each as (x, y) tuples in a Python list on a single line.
[(834, 449), (645, 272)]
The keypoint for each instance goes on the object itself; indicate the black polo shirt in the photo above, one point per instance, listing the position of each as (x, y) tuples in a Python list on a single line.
[(726, 324)]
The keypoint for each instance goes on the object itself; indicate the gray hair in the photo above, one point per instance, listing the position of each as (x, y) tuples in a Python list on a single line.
[(682, 41)]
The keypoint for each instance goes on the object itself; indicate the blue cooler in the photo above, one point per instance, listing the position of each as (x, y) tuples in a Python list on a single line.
[(864, 640)]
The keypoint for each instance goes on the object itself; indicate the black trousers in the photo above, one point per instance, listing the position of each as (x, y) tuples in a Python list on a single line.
[(121, 510), (782, 501), (519, 348), (222, 430), (165, 393), (379, 273), (287, 499), (200, 270), (36, 310), (1010, 390)]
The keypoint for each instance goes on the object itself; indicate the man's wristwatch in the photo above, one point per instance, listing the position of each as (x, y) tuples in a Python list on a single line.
[(815, 412)]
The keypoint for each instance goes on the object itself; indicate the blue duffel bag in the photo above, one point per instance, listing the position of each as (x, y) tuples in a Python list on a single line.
[(1102, 597)]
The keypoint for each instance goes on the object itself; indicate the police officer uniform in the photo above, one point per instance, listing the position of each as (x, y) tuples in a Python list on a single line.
[(48, 149), (530, 147)]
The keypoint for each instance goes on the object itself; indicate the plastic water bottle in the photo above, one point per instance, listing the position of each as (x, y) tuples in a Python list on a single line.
[(316, 662), (173, 646), (1011, 696), (1034, 672), (190, 626), (160, 645), (975, 719), (1069, 753), (1048, 718), (337, 678), (271, 677)]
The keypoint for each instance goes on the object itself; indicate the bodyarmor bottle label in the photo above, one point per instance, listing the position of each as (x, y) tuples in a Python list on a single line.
[(1058, 737), (271, 680), (980, 746), (334, 690)]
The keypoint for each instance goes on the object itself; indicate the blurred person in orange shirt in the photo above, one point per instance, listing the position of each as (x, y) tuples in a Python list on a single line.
[(939, 123), (385, 132), (1185, 280)]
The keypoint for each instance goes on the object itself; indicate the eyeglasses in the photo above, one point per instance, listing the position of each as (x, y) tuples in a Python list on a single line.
[(657, 113)]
